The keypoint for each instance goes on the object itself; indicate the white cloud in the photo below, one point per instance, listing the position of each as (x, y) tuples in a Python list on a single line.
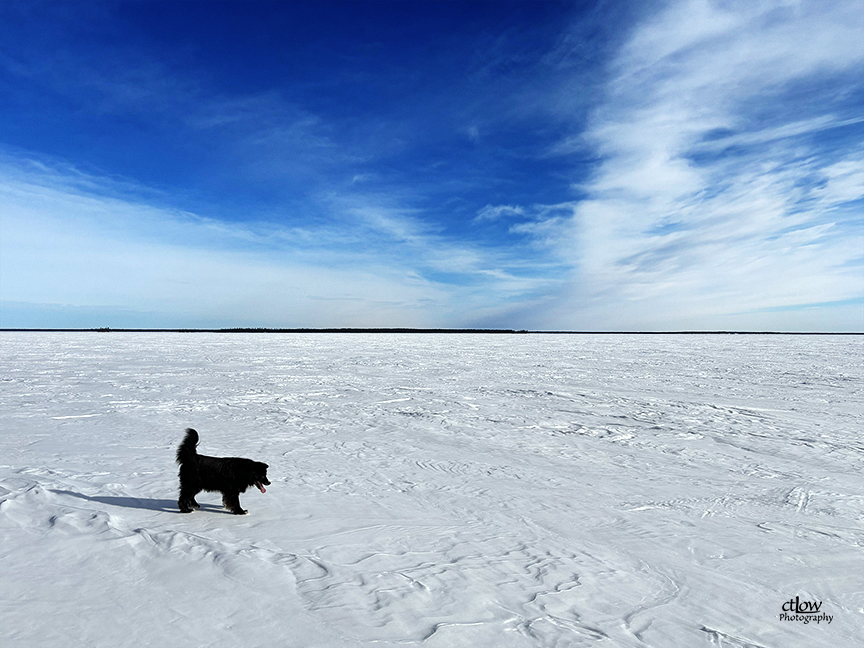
[(67, 249), (491, 213), (711, 199), (87, 243)]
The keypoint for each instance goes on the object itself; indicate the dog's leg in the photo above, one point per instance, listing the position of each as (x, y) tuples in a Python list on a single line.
[(231, 501), (187, 502)]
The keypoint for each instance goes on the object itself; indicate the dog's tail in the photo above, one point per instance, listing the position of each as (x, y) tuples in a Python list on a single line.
[(186, 452)]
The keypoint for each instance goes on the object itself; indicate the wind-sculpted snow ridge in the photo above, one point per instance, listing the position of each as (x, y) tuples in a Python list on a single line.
[(435, 490)]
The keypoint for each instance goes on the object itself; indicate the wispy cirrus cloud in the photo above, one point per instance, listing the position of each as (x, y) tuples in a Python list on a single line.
[(104, 251), (716, 194), (688, 164), (494, 212)]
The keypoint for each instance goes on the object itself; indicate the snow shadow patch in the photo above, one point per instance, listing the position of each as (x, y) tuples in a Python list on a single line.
[(164, 505)]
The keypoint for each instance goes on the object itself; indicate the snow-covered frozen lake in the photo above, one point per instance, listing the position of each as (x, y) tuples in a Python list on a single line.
[(445, 490)]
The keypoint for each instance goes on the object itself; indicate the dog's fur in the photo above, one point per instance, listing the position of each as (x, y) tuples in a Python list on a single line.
[(228, 475)]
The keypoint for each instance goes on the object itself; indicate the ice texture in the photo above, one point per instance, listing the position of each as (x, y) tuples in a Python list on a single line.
[(438, 490)]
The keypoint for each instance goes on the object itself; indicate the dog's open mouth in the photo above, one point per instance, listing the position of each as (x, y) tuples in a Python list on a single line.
[(261, 487)]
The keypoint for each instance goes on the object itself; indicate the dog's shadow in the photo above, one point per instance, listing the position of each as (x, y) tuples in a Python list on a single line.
[(164, 505)]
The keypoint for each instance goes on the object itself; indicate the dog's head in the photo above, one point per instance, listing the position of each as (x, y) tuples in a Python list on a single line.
[(259, 476)]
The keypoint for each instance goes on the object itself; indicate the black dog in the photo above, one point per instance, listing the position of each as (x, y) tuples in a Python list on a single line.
[(228, 475)]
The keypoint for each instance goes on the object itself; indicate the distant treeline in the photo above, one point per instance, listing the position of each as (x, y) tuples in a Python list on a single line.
[(409, 330)]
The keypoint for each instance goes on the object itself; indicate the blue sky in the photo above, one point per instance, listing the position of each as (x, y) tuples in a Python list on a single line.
[(543, 165)]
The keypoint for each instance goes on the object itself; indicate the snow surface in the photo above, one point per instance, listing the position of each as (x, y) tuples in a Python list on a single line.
[(443, 490)]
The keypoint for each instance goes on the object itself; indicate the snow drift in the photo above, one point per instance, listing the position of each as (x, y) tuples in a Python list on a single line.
[(444, 490)]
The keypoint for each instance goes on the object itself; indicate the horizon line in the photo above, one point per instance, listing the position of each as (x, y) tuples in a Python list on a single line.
[(412, 330)]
